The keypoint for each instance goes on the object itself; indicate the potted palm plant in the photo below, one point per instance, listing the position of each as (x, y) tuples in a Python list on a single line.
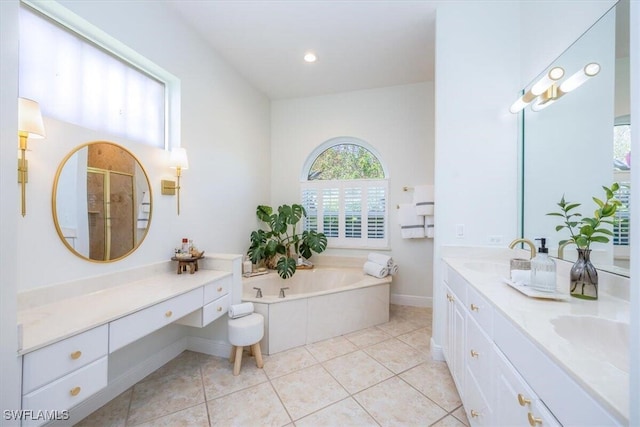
[(583, 232), (280, 244)]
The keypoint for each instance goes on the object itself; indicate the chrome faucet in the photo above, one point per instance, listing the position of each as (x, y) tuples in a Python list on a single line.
[(282, 295), (561, 248), (532, 247), (259, 293)]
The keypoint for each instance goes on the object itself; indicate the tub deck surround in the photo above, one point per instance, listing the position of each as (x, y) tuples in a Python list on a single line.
[(606, 383), (307, 283), (82, 305), (321, 303)]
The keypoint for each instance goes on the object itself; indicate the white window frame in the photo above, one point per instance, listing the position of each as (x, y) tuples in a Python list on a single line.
[(83, 28), (342, 241)]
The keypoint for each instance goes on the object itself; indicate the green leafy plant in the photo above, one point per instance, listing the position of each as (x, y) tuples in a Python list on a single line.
[(586, 230), (280, 245)]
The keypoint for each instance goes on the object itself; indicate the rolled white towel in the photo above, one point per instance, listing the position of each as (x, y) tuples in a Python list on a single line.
[(375, 270), (393, 270), (381, 259), (240, 310)]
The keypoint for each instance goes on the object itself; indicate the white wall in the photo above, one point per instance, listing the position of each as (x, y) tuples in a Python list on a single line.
[(9, 208), (225, 128), (476, 136), (398, 123)]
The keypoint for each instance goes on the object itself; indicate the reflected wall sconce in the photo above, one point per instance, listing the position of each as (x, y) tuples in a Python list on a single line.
[(30, 125), (178, 160), (548, 89)]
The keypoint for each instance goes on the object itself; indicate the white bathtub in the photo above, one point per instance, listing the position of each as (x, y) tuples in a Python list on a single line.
[(321, 303)]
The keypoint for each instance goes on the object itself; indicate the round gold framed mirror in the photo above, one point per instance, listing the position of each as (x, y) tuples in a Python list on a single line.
[(101, 202)]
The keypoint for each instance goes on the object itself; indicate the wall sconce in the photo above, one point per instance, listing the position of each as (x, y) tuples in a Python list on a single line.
[(30, 125), (546, 91), (178, 161)]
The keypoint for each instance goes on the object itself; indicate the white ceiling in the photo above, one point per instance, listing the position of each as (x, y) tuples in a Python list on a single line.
[(360, 44)]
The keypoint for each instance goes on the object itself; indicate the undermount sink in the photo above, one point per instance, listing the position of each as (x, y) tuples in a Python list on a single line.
[(605, 339), (489, 267)]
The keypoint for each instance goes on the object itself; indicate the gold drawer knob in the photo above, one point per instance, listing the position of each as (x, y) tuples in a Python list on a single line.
[(220, 289), (168, 313), (74, 391), (219, 308), (474, 414), (474, 307), (76, 355), (474, 353), (523, 400), (533, 421)]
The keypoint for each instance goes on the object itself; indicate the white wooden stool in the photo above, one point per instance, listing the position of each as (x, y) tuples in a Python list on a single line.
[(246, 331)]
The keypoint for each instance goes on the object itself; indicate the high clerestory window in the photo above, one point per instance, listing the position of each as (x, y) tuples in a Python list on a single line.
[(82, 76), (344, 191)]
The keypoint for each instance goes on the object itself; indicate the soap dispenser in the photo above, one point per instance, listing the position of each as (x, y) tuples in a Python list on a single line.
[(543, 269)]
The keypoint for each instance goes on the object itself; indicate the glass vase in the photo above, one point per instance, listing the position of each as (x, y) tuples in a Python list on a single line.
[(584, 277)]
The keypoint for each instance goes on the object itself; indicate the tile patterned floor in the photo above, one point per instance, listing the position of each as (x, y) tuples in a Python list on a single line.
[(381, 376)]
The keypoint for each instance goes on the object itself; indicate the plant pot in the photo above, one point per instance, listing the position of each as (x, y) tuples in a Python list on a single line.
[(584, 277)]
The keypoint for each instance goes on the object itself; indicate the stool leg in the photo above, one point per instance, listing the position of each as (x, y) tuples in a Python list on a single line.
[(238, 362), (232, 356), (258, 353)]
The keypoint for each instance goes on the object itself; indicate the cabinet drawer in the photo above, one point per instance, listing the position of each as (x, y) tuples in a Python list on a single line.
[(67, 391), (480, 310), (207, 314), (214, 310), (476, 404), (458, 285), (215, 290), (56, 360), (480, 356), (134, 326)]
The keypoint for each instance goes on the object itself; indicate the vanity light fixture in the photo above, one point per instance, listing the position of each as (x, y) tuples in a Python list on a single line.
[(579, 78), (540, 87), (552, 92), (178, 160), (30, 125)]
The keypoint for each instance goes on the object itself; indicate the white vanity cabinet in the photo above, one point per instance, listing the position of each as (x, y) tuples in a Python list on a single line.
[(453, 346), (135, 326), (488, 384), (506, 379), (518, 403), (216, 303), (65, 359), (65, 373)]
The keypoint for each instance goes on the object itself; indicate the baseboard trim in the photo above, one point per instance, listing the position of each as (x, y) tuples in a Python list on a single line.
[(213, 348), (120, 384), (436, 350), (411, 300)]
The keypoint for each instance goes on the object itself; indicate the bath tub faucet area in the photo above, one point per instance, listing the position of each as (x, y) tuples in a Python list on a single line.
[(282, 295), (258, 292)]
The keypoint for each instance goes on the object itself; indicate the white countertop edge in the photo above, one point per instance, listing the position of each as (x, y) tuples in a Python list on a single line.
[(58, 320)]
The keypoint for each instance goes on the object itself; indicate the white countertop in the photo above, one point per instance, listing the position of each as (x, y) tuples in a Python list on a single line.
[(47, 323), (600, 378)]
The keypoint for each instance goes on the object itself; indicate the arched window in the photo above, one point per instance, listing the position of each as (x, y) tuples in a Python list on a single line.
[(344, 191)]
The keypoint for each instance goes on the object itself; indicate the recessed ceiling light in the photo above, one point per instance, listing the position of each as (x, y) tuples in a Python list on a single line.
[(310, 57)]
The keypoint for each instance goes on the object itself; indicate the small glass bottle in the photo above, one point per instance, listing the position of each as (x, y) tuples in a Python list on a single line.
[(185, 245), (247, 266), (543, 270)]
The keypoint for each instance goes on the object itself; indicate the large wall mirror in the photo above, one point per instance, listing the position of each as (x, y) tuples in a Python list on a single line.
[(101, 202), (582, 141)]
